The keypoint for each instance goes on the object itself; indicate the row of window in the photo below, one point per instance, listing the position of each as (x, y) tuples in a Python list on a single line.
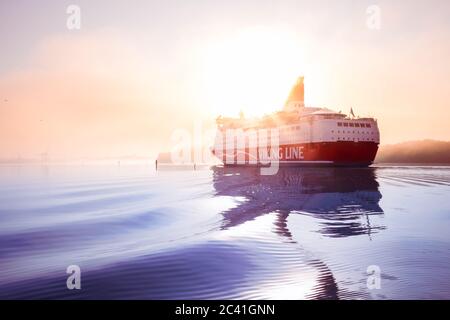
[(363, 132), (290, 129), (345, 124), (354, 139), (352, 124)]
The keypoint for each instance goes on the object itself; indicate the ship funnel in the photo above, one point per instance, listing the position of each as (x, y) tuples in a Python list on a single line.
[(296, 97)]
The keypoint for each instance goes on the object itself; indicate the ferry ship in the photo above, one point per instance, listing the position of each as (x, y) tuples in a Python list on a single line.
[(298, 135)]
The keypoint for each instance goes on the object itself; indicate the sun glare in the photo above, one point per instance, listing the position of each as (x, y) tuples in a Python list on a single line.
[(251, 71)]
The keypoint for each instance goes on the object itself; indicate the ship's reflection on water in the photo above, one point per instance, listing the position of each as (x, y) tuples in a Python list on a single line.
[(343, 198)]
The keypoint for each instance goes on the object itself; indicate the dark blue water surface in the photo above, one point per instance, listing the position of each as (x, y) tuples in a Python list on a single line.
[(305, 233)]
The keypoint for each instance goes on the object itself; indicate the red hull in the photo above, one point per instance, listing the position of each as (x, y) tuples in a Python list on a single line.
[(331, 153)]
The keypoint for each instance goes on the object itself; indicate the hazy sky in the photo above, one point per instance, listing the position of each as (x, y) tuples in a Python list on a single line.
[(137, 70)]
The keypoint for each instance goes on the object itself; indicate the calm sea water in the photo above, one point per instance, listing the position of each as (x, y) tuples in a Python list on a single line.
[(306, 233)]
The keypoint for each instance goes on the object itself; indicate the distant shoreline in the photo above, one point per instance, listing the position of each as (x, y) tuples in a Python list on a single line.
[(191, 165), (425, 152), (411, 153)]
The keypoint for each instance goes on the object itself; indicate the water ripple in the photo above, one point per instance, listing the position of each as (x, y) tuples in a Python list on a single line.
[(228, 233)]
